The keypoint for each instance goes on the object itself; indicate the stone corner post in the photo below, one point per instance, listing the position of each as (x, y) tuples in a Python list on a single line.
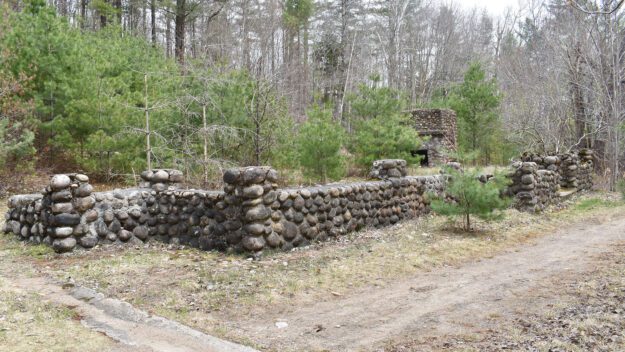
[(248, 190), (388, 168)]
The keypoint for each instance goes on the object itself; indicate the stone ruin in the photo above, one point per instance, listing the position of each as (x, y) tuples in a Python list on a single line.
[(439, 126), (252, 213), (537, 180)]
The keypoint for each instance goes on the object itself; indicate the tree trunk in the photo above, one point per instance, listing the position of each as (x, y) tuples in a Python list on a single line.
[(153, 20), (180, 23)]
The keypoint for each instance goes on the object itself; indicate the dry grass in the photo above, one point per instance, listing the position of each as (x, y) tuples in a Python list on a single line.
[(28, 324), (205, 288), (188, 284)]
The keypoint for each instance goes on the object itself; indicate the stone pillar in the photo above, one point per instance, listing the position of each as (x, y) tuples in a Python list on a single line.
[(69, 204), (388, 168), (162, 179), (523, 176), (248, 191), (585, 171), (568, 170)]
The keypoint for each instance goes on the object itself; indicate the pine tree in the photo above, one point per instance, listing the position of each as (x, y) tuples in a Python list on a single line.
[(320, 140), (472, 197)]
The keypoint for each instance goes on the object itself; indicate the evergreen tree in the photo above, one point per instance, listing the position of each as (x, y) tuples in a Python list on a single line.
[(476, 102), (319, 144), (471, 197), (381, 128)]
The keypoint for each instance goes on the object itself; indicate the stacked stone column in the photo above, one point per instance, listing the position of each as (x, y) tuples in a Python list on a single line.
[(568, 170), (585, 170), (249, 193), (388, 168), (162, 179), (523, 176), (69, 212)]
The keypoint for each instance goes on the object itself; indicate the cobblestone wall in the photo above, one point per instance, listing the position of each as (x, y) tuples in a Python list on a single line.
[(250, 214)]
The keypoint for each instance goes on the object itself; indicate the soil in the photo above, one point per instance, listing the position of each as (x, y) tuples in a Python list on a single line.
[(454, 301)]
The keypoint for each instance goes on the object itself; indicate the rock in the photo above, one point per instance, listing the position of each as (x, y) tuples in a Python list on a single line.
[(253, 243), (89, 240), (91, 215), (61, 196), (176, 176), (255, 229), (160, 176), (84, 204), (231, 176), (59, 182), (290, 230), (124, 235), (62, 232), (274, 240), (84, 190), (258, 213), (253, 191), (64, 245), (67, 219), (57, 208), (253, 175), (81, 177), (108, 216), (141, 232), (527, 179)]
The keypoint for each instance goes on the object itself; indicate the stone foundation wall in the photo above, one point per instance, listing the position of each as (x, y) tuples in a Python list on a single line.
[(251, 214)]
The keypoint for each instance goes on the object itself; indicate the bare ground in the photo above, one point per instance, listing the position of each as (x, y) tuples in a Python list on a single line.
[(451, 301)]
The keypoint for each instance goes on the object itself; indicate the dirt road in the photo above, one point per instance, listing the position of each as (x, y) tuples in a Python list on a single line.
[(442, 302)]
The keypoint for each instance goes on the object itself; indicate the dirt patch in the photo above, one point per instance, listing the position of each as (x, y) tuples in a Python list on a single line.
[(447, 301), (575, 311)]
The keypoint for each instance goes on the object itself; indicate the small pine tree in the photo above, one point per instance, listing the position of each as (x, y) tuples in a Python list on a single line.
[(472, 197), (319, 145)]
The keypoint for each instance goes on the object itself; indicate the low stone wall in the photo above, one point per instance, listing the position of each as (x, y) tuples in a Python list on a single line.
[(536, 180), (251, 214)]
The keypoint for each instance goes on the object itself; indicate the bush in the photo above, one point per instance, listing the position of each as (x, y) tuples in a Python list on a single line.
[(319, 146), (472, 197)]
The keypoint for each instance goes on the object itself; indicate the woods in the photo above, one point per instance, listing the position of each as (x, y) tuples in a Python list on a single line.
[(216, 83)]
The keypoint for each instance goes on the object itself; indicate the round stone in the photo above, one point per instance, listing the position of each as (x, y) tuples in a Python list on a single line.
[(59, 182), (255, 229), (62, 208), (67, 219), (64, 245), (84, 190), (141, 232), (254, 191), (82, 178), (253, 243), (61, 196), (274, 240), (89, 240), (124, 235), (160, 176), (257, 213), (84, 204)]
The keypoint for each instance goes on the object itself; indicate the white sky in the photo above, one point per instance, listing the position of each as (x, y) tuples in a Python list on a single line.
[(494, 7)]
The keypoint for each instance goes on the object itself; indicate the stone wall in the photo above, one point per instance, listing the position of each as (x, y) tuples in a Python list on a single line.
[(251, 214), (388, 168), (536, 180)]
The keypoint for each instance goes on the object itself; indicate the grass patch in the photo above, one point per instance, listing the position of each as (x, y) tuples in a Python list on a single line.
[(204, 289), (29, 324)]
